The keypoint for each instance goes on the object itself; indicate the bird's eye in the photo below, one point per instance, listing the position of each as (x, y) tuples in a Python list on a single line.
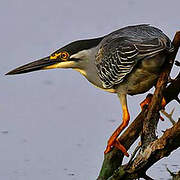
[(64, 56)]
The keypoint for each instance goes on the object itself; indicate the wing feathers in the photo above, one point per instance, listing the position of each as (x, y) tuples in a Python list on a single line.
[(115, 59)]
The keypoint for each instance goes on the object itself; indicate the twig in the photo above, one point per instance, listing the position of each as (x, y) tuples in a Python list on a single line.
[(169, 116), (133, 155), (171, 173)]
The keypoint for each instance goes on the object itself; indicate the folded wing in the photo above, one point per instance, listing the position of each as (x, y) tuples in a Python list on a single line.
[(117, 57)]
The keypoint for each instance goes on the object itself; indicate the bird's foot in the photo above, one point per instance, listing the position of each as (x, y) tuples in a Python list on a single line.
[(147, 101), (118, 145)]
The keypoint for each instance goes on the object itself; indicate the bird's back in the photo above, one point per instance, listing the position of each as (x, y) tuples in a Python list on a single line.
[(120, 52), (137, 33)]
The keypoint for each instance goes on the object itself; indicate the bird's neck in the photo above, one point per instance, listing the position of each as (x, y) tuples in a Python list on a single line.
[(88, 68)]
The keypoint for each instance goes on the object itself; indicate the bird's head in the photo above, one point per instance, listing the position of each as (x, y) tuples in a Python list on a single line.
[(69, 56)]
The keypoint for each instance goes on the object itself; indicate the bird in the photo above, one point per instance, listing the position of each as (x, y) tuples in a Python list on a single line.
[(127, 61)]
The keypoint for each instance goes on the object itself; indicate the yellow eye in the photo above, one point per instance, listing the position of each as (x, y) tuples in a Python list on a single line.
[(64, 56)]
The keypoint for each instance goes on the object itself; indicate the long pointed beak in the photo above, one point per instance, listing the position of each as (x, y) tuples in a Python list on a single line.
[(41, 64)]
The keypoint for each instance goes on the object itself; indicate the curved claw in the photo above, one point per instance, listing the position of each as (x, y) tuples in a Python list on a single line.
[(118, 145), (108, 149), (121, 147)]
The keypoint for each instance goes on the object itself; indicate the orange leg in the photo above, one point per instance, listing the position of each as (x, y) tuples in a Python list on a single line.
[(163, 103), (147, 101), (113, 140)]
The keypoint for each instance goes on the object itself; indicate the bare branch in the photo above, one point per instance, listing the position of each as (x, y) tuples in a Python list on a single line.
[(155, 151), (113, 160), (159, 148)]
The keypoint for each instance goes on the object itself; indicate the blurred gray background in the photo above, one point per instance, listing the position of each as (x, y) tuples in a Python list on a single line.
[(54, 124)]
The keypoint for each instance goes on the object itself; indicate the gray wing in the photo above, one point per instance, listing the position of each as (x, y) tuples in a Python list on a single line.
[(117, 57)]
